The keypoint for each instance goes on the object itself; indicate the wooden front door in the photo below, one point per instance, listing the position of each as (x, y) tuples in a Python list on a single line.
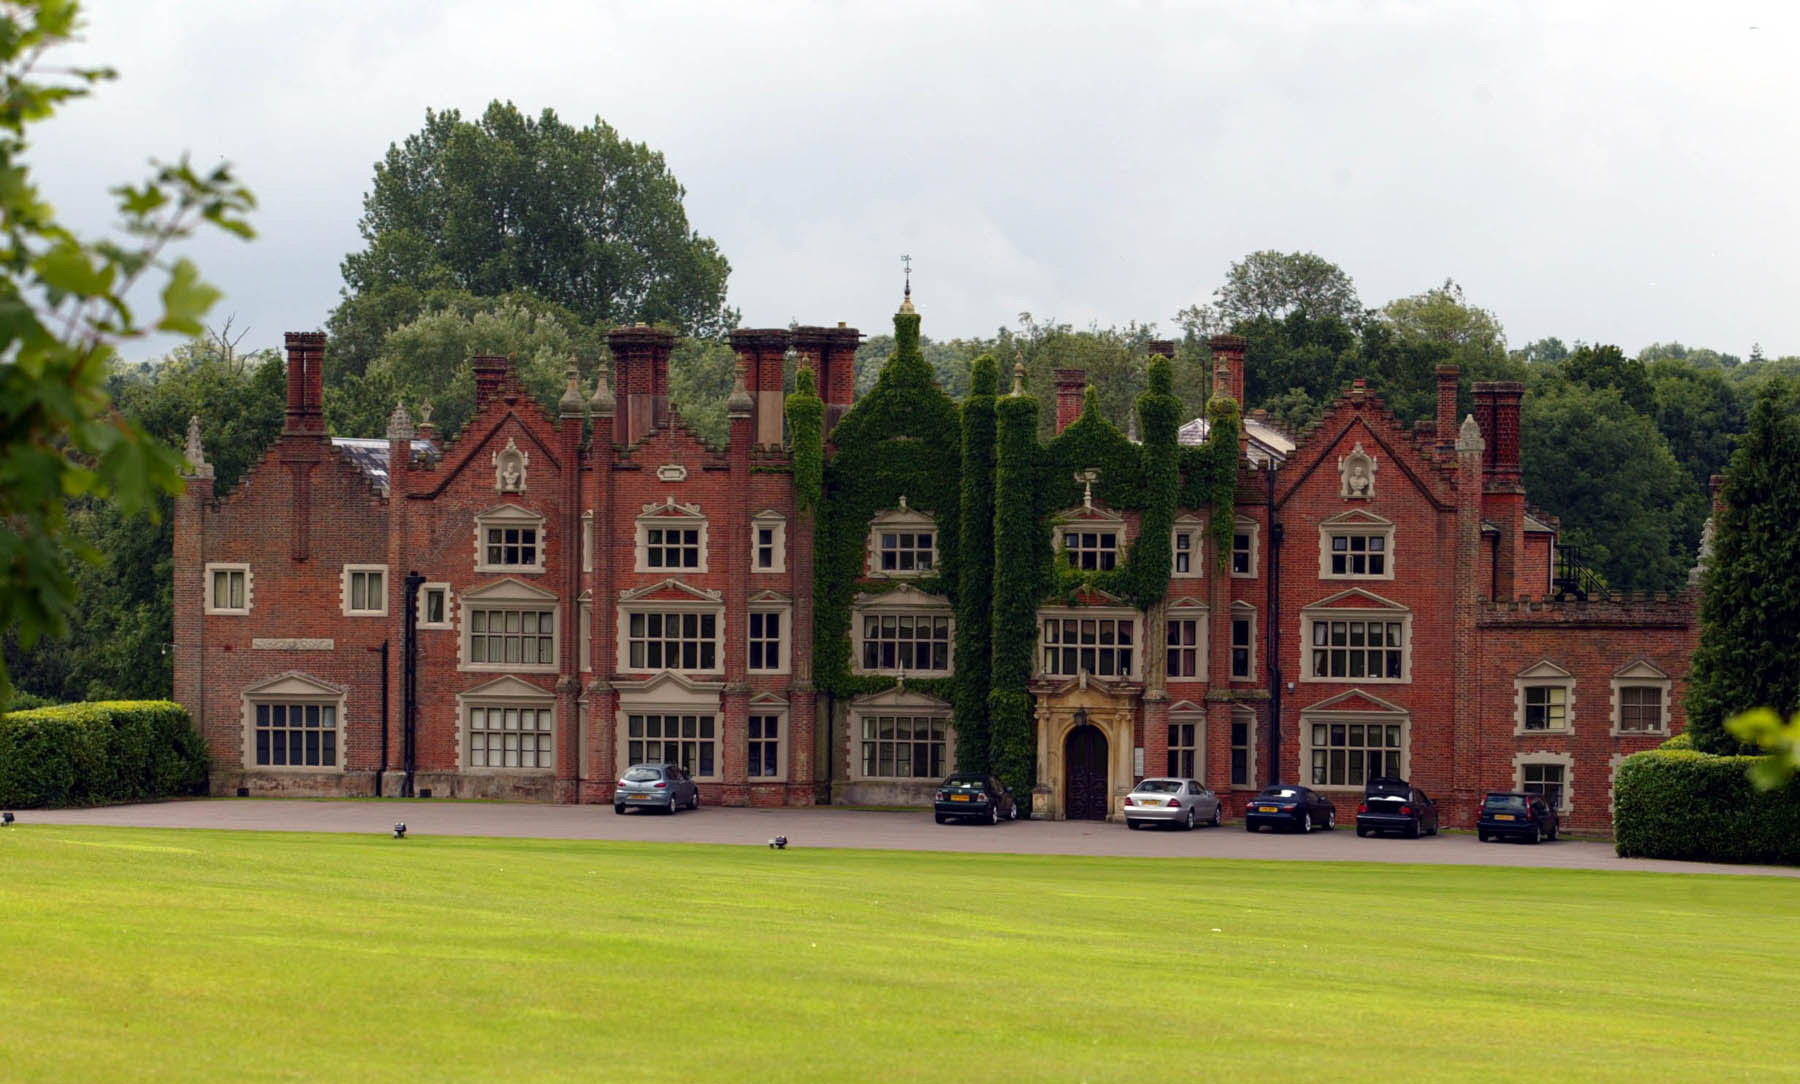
[(1084, 757)]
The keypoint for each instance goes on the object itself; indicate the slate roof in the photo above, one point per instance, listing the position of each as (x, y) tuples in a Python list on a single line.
[(370, 454)]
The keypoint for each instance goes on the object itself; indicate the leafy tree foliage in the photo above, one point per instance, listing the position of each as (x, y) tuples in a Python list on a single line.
[(1275, 285), (575, 216), (1749, 652), (1605, 470), (1699, 413), (65, 304), (1608, 367), (1471, 337), (1700, 357), (1544, 351)]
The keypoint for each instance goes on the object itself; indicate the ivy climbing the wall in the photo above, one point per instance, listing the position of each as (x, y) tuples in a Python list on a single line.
[(902, 439), (1021, 572), (974, 600)]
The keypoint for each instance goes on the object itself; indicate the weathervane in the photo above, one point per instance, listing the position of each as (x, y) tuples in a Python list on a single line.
[(906, 262)]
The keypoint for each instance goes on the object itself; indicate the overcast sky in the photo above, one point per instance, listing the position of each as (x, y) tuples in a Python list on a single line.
[(1615, 172)]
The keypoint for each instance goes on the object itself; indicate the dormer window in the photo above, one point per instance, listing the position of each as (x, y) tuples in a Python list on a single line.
[(902, 542)]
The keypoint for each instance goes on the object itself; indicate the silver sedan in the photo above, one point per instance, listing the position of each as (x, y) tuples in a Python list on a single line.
[(1186, 802)]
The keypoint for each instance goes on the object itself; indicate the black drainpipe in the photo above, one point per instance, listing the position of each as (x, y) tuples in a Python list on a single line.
[(1272, 617), (409, 680), (384, 718)]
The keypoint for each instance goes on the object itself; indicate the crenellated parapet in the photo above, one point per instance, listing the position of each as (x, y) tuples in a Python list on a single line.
[(1639, 609)]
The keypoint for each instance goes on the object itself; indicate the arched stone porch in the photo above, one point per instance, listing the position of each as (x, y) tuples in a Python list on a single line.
[(1084, 701)]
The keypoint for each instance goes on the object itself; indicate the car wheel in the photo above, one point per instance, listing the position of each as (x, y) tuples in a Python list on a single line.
[(941, 819), (1481, 836), (1362, 833), (1305, 821), (1248, 827), (1554, 828), (619, 808), (696, 803), (1412, 830), (1218, 816), (993, 813), (1532, 836), (1188, 825), (1331, 821)]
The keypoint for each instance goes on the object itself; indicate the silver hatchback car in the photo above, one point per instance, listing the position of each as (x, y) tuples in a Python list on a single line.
[(1185, 802), (655, 786)]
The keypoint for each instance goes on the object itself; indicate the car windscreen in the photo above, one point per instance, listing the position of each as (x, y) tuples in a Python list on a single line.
[(1279, 792), (1160, 786), (643, 775), (1503, 801)]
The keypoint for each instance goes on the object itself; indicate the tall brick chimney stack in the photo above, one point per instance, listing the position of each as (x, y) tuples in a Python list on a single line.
[(490, 373), (305, 384), (1446, 409), (641, 367), (762, 352), (1071, 387), (832, 353), (1228, 365), (1165, 347), (1497, 412)]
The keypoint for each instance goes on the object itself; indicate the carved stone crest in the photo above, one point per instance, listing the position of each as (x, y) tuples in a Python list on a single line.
[(1357, 473)]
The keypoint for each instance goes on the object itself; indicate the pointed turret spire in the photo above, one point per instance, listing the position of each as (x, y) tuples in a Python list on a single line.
[(1018, 387), (400, 423), (740, 404), (198, 467), (602, 404), (906, 304), (571, 402)]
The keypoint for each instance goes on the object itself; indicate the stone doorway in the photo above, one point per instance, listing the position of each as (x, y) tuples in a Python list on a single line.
[(1084, 756)]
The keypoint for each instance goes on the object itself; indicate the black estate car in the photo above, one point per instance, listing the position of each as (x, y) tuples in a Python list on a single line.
[(1284, 805), (968, 796), (1394, 805), (1512, 814)]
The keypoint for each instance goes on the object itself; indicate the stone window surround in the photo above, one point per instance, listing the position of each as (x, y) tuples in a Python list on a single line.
[(769, 705), (503, 693), (507, 594), (1248, 718), (585, 645), (905, 600), (785, 652), (1365, 718), (1185, 713), (1202, 616), (1246, 526), (1108, 613), (899, 701), (900, 520), (292, 687), (669, 514), (1243, 610), (1545, 756), (669, 693), (1385, 610), (1544, 673), (625, 613), (1195, 529), (1640, 674), (773, 520), (206, 588), (1356, 522), (344, 577), (449, 621), (587, 541), (510, 515)]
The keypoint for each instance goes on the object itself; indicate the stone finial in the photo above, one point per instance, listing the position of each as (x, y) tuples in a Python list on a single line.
[(400, 424), (1468, 438), (571, 402), (906, 304), (198, 467), (425, 414), (602, 404), (740, 403), (1018, 387)]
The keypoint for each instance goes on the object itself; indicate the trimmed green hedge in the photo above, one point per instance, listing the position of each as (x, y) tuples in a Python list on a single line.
[(91, 754), (1671, 803)]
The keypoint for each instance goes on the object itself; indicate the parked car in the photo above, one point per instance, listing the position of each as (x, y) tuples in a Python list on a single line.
[(967, 796), (1394, 805), (1284, 805), (1506, 813), (1186, 802), (655, 786)]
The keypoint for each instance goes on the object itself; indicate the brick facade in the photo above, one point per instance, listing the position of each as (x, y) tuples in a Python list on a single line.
[(615, 567)]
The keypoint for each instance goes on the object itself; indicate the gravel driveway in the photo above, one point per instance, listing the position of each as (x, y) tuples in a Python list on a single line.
[(828, 827)]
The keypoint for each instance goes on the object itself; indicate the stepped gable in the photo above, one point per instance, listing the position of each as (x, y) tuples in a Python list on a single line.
[(1361, 410), (501, 398)]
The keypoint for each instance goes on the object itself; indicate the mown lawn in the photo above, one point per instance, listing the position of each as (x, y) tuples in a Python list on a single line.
[(187, 955)]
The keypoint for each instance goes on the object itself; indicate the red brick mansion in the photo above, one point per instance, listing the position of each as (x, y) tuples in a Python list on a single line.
[(526, 608)]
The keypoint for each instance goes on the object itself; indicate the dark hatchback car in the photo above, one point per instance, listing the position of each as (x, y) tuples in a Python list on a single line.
[(1512, 815), (1286, 806), (656, 786), (1394, 805), (970, 797)]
